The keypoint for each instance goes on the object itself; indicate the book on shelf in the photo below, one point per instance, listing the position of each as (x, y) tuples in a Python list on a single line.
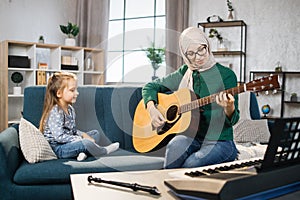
[(41, 78), (48, 75), (43, 65), (69, 67), (69, 63)]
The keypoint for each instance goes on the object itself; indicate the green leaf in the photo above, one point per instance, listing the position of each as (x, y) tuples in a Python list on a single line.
[(155, 55), (72, 30), (17, 77)]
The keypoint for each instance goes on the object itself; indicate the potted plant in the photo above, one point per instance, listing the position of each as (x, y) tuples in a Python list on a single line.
[(41, 39), (214, 33), (230, 10), (294, 97), (17, 78), (156, 57), (71, 30), (278, 67)]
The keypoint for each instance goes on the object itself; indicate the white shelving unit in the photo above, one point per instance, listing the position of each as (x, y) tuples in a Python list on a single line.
[(11, 104), (287, 80), (237, 28)]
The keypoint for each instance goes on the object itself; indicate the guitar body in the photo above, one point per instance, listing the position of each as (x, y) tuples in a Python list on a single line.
[(181, 111), (145, 137)]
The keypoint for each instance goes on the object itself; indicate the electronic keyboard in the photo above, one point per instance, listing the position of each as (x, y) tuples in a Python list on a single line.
[(241, 179), (279, 168)]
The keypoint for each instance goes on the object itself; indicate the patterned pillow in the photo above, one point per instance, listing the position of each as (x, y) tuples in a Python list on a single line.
[(34, 145), (247, 130)]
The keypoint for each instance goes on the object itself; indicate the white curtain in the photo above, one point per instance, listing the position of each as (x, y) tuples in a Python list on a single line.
[(177, 13), (92, 18)]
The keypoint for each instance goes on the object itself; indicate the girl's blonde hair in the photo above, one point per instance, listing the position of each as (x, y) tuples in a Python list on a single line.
[(58, 81)]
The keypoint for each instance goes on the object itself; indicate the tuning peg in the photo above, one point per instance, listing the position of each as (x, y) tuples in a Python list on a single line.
[(267, 92), (263, 87), (274, 91)]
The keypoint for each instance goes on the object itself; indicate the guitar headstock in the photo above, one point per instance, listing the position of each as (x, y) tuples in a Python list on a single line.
[(263, 84)]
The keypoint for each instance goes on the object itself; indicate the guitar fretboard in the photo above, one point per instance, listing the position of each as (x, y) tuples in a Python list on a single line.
[(209, 99)]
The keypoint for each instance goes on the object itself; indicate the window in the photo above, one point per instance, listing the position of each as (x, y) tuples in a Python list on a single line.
[(133, 26)]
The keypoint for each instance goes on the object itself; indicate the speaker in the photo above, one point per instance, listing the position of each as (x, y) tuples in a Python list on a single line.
[(18, 61)]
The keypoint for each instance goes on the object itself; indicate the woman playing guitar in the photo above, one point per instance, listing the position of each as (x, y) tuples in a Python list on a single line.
[(212, 140)]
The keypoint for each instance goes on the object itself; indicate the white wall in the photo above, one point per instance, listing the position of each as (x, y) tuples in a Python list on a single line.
[(26, 20), (273, 35)]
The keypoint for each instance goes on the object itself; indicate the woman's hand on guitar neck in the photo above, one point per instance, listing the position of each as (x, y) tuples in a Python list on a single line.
[(226, 100), (157, 119)]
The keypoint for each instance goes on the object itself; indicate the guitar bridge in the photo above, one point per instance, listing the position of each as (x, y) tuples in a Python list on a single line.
[(167, 126)]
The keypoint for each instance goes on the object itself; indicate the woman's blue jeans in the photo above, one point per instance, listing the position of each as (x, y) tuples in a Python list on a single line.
[(72, 149), (185, 152)]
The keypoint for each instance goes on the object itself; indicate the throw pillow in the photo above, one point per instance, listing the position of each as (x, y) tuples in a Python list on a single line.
[(247, 130), (34, 145)]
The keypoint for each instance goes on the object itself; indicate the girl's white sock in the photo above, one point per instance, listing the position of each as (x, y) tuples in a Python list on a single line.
[(81, 156), (112, 147)]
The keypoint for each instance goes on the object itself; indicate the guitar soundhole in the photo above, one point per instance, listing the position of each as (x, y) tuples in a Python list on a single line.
[(172, 113)]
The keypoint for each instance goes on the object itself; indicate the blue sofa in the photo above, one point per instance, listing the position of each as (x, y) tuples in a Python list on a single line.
[(109, 109)]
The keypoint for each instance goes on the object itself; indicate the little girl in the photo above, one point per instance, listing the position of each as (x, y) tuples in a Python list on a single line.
[(58, 122)]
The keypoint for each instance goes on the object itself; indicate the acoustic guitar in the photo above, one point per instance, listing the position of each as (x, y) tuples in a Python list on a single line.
[(176, 109)]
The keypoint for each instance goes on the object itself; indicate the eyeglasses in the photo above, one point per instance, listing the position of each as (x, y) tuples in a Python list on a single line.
[(202, 50)]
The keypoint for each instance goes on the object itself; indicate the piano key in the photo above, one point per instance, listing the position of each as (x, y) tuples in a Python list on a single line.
[(212, 169)]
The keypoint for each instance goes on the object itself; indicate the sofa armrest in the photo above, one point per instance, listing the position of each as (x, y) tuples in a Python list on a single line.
[(10, 154), (254, 108), (255, 111)]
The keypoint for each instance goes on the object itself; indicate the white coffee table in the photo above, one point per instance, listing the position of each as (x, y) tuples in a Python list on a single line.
[(83, 190)]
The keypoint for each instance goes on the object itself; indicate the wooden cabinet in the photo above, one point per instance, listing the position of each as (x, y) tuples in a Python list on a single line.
[(287, 79), (237, 36), (87, 64)]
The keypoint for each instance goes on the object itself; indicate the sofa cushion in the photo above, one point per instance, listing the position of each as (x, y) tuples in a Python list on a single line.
[(33, 104), (119, 105), (255, 131), (108, 109), (58, 171), (34, 145)]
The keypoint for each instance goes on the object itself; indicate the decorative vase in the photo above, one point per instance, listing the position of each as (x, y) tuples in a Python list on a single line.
[(89, 64), (17, 90), (155, 66), (278, 67), (70, 42), (230, 15), (154, 77), (214, 43), (294, 98), (41, 40), (222, 46)]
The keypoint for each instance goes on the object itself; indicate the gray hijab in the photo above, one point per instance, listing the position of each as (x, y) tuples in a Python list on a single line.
[(194, 35)]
